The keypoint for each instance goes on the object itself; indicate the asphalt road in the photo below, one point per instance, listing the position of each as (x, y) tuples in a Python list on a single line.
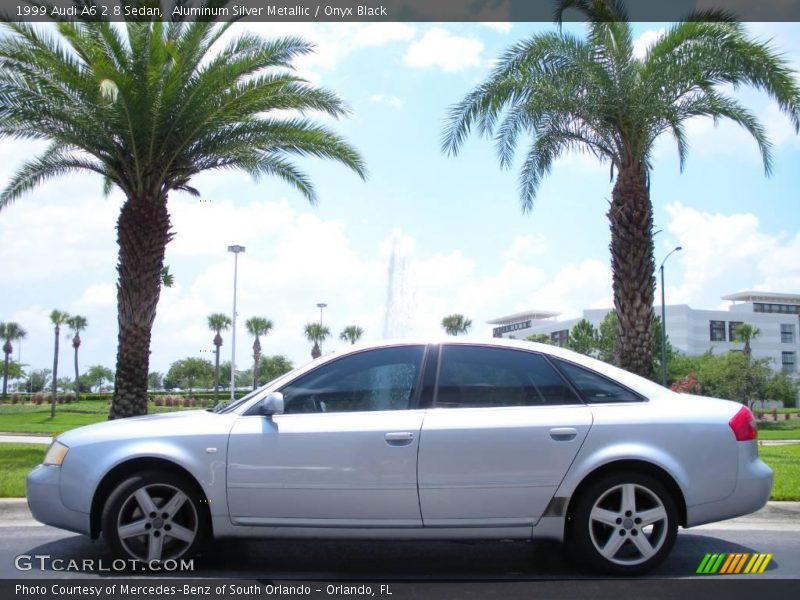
[(409, 561)]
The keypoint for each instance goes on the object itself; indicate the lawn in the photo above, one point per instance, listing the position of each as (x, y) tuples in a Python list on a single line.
[(33, 418), (785, 462), (16, 460), (779, 430)]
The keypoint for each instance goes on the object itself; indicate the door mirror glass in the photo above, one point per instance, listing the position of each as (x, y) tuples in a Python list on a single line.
[(272, 404)]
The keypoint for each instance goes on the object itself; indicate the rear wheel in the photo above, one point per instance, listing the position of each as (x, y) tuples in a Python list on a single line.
[(624, 524), (153, 517)]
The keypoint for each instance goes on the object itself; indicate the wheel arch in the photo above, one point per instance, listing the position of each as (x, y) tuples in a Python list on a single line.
[(638, 466), (130, 467)]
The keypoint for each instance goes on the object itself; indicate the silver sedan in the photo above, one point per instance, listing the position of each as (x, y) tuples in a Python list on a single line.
[(417, 440)]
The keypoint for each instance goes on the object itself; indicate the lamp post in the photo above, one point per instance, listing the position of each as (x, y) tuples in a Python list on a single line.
[(664, 321), (321, 305), (236, 250)]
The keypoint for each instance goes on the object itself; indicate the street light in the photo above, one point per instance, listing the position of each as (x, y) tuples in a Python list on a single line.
[(236, 250), (664, 321), (321, 305)]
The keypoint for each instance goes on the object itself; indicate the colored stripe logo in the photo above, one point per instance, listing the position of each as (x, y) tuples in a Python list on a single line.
[(734, 563)]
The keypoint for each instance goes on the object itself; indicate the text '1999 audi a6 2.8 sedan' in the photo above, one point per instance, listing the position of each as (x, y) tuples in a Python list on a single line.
[(417, 440)]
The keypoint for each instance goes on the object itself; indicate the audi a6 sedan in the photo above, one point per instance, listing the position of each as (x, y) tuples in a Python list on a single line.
[(417, 440)]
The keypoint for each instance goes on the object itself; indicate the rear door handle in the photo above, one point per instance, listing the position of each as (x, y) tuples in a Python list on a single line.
[(563, 434), (399, 438)]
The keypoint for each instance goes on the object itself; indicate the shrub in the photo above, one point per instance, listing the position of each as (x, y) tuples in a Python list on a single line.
[(15, 398), (37, 398), (158, 401)]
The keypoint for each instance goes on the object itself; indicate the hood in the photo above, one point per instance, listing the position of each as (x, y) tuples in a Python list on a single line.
[(188, 422)]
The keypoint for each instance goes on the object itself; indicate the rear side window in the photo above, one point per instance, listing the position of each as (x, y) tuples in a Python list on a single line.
[(594, 387), (483, 376)]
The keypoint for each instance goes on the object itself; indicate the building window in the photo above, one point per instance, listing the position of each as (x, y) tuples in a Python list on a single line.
[(787, 334), (787, 309), (560, 337), (717, 329), (732, 325), (789, 362)]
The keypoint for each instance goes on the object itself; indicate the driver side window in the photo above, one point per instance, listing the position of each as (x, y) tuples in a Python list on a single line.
[(382, 379)]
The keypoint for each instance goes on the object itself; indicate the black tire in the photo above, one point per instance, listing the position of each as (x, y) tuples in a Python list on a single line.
[(636, 546), (153, 536)]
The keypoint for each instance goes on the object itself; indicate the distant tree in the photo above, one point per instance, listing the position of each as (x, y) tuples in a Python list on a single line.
[(96, 376), (9, 332), (540, 338), (190, 373), (38, 380), (257, 326), (351, 333), (65, 383), (583, 338), (155, 380), (316, 333), (167, 279), (746, 333), (784, 388), (272, 367), (76, 324), (218, 322), (455, 324), (57, 318), (607, 337)]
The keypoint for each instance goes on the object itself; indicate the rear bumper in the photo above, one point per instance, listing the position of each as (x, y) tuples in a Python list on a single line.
[(753, 488), (44, 500)]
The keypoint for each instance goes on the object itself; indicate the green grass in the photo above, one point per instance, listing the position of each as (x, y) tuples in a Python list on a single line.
[(32, 418), (16, 460), (779, 430), (785, 462)]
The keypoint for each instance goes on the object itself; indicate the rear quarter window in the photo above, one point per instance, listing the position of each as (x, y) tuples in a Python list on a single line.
[(596, 388)]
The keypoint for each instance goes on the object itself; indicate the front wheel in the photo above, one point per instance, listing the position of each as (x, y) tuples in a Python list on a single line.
[(624, 524), (153, 517)]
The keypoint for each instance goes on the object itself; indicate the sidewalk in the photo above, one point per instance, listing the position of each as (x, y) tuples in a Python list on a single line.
[(25, 438)]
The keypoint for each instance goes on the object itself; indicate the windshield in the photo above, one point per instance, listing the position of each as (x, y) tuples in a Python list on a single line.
[(227, 406)]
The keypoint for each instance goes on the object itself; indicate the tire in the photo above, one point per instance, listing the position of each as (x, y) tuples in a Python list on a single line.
[(134, 523), (641, 533)]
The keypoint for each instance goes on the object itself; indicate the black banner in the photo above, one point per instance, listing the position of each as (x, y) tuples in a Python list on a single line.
[(221, 589), (374, 10)]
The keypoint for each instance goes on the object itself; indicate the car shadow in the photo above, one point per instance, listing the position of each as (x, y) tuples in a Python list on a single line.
[(380, 559)]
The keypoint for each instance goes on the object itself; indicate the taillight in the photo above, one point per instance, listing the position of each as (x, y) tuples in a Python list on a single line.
[(743, 424)]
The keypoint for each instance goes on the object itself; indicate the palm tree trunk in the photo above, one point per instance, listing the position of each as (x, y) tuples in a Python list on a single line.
[(143, 231), (76, 342), (256, 356), (632, 265), (216, 377), (55, 375), (5, 374)]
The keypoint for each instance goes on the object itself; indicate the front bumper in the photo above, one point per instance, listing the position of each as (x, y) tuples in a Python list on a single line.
[(753, 488), (44, 500)]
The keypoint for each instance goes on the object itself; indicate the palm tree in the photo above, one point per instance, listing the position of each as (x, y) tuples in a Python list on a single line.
[(746, 333), (596, 95), (9, 332), (57, 318), (351, 333), (455, 324), (317, 333), (218, 322), (76, 324), (257, 326), (148, 107)]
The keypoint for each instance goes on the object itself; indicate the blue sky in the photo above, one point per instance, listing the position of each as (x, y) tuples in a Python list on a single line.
[(457, 221)]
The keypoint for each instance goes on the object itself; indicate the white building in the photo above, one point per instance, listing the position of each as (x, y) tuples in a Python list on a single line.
[(693, 331)]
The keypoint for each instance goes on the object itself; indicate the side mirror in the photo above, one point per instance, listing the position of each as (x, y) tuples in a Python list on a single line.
[(272, 404)]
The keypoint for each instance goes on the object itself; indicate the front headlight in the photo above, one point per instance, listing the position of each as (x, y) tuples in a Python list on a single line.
[(55, 454)]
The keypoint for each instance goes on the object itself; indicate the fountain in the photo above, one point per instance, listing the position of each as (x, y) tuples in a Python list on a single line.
[(399, 297)]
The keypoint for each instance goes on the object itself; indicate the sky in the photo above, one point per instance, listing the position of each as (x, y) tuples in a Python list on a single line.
[(454, 224)]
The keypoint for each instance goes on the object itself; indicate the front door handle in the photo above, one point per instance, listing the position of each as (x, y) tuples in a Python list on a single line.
[(399, 438), (563, 434)]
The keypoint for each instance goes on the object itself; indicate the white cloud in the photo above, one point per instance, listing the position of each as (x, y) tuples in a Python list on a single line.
[(642, 43), (392, 101), (378, 34), (526, 246), (499, 26), (720, 248), (441, 49)]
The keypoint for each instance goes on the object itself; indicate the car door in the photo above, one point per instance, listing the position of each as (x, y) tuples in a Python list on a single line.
[(503, 431), (343, 454)]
